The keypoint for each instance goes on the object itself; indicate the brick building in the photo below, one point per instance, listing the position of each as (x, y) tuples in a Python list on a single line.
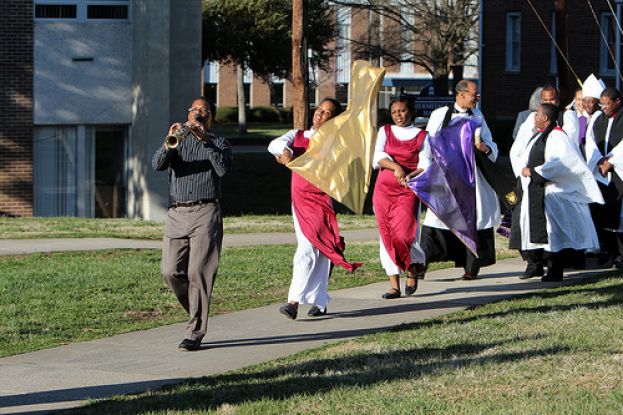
[(16, 107), (518, 54), (88, 88), (220, 80)]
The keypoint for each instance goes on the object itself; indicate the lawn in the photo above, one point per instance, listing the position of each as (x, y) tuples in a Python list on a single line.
[(259, 133), (52, 299), (558, 351)]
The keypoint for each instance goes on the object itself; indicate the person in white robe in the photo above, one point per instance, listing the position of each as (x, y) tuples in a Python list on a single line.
[(557, 186), (604, 156), (438, 242), (567, 120), (591, 92)]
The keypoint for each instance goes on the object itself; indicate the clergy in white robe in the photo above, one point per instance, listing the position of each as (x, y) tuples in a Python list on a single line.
[(438, 242), (604, 156), (556, 188)]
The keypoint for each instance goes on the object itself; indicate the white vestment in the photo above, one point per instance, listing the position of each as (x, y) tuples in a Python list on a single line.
[(569, 190), (487, 203)]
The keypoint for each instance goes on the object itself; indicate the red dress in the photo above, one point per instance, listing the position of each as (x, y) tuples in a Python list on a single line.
[(396, 206), (315, 214)]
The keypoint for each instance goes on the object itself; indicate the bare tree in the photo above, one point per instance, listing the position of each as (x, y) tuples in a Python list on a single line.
[(437, 35)]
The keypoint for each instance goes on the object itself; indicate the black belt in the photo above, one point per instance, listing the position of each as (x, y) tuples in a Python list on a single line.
[(193, 203)]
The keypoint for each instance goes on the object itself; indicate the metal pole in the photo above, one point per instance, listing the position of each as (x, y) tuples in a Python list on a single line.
[(617, 46)]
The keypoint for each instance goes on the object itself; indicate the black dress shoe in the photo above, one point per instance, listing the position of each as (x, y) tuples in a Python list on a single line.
[(532, 272), (391, 294), (552, 276), (618, 262), (410, 289), (289, 311), (188, 345), (315, 311)]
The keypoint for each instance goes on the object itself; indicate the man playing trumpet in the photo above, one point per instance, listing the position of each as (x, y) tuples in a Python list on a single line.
[(196, 161)]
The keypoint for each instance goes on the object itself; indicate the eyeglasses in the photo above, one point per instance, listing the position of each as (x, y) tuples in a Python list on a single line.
[(199, 109)]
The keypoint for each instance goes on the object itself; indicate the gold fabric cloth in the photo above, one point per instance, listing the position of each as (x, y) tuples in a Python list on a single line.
[(339, 157)]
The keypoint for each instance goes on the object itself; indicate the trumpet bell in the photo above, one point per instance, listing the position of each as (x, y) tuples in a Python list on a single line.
[(172, 141)]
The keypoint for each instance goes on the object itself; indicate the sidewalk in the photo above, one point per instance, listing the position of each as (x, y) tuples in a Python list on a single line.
[(66, 376), (28, 246)]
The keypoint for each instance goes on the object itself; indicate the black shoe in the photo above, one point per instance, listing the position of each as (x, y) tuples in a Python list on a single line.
[(529, 273), (552, 276), (410, 289), (289, 311), (188, 345), (391, 294), (618, 263), (468, 276), (315, 311), (603, 258)]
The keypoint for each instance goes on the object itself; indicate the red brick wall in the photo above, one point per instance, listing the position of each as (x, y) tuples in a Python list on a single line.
[(16, 107), (504, 94)]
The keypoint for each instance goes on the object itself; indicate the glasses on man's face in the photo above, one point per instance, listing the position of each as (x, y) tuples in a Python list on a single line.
[(205, 110)]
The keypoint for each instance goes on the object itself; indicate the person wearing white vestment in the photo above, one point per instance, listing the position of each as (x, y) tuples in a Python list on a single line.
[(604, 156), (556, 187), (567, 120), (438, 242), (591, 92)]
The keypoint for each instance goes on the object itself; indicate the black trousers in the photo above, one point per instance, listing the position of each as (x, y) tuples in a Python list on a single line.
[(443, 245)]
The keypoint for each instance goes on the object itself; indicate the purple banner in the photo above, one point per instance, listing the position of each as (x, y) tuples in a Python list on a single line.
[(448, 186)]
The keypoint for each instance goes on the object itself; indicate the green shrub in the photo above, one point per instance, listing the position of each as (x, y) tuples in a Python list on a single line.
[(263, 114), (226, 115)]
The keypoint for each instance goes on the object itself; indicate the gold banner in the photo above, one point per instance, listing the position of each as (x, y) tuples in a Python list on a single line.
[(339, 157)]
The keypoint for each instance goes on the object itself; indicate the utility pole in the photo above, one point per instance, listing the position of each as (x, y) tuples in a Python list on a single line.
[(566, 92), (299, 64)]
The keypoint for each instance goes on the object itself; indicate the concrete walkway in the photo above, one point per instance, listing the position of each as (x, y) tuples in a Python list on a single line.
[(26, 246), (66, 376)]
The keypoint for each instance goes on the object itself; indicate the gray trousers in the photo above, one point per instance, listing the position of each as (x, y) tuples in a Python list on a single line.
[(191, 251)]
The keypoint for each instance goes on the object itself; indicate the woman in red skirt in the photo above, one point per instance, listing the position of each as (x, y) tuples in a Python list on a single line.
[(402, 152)]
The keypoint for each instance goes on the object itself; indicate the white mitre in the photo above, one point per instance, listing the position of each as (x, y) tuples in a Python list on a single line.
[(593, 87)]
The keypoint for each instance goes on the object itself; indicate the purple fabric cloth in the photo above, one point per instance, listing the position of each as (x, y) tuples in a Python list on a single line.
[(583, 124), (448, 186)]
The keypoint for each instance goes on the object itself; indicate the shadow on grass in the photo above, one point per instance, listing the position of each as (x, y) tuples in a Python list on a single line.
[(318, 376)]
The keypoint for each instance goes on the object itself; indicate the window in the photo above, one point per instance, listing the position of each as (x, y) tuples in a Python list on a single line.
[(513, 42), (210, 80), (342, 55), (82, 10), (55, 11), (406, 39), (606, 47)]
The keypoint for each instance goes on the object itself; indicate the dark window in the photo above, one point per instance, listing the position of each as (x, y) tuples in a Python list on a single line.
[(341, 93), (209, 91), (55, 11), (107, 12), (276, 94)]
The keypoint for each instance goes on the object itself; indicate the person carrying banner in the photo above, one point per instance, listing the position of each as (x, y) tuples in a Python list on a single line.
[(315, 223), (438, 241), (401, 152)]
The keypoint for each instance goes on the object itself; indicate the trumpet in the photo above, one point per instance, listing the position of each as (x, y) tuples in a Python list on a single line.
[(173, 140)]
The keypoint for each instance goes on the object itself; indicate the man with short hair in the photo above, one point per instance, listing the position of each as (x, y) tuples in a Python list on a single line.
[(437, 241), (196, 161), (604, 156), (567, 120), (555, 187)]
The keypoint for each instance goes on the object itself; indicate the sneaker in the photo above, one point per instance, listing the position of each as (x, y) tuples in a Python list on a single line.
[(315, 311), (289, 311)]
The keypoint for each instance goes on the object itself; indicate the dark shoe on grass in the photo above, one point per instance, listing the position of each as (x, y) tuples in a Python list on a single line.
[(289, 311), (315, 311), (188, 345)]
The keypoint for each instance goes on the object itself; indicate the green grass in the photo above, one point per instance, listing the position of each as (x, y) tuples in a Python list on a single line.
[(557, 351), (52, 299), (69, 227), (260, 132)]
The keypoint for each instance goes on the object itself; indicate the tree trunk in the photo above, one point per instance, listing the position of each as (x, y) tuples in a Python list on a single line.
[(299, 64), (242, 110)]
